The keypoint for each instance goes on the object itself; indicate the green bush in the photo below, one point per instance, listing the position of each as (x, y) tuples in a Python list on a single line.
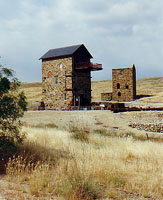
[(12, 106)]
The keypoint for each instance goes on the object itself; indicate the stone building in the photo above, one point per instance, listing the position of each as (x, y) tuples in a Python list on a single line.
[(66, 77), (124, 84)]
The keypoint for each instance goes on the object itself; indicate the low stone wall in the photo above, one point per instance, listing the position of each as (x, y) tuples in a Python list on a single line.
[(106, 96), (153, 127)]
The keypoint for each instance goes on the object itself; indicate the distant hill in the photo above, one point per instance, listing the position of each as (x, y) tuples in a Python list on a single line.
[(149, 89)]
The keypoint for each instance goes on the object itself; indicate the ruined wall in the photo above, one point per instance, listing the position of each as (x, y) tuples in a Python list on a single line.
[(124, 84), (106, 96), (57, 83)]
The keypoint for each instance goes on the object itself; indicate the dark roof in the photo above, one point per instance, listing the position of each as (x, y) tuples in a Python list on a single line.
[(64, 51)]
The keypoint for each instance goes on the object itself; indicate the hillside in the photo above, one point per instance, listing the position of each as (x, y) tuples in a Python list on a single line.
[(149, 89)]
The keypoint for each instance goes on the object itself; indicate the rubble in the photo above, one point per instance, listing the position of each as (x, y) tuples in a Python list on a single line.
[(152, 127)]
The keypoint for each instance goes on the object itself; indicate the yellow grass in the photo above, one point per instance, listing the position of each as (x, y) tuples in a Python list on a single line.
[(147, 86), (105, 167), (108, 163)]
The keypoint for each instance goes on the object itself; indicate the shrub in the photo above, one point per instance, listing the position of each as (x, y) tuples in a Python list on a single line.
[(12, 106)]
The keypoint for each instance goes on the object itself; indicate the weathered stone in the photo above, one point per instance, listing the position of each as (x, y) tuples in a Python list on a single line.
[(124, 84), (64, 83), (148, 127), (106, 96), (55, 81)]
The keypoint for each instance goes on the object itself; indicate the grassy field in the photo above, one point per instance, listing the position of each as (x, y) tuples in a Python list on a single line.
[(73, 155), (150, 90), (87, 155)]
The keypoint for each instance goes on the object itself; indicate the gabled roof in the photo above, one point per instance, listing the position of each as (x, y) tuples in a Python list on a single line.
[(64, 51)]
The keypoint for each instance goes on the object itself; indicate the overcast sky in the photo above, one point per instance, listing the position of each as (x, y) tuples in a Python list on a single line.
[(117, 33)]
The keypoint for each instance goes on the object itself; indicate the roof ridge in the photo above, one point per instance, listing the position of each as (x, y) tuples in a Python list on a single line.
[(66, 47), (63, 51)]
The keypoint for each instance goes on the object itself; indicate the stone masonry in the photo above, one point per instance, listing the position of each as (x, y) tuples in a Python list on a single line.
[(124, 84), (66, 77), (57, 83), (106, 96)]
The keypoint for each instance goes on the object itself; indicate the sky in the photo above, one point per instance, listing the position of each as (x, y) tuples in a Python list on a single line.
[(118, 33)]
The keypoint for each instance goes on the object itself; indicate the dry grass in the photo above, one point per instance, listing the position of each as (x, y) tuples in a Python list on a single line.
[(151, 87), (113, 161), (116, 165), (33, 92), (79, 133), (99, 87), (105, 167)]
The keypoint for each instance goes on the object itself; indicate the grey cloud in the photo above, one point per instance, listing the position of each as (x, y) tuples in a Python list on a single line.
[(117, 33)]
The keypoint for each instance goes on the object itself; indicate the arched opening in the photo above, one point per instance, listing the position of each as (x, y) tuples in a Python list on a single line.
[(65, 96), (119, 94), (127, 86), (118, 86)]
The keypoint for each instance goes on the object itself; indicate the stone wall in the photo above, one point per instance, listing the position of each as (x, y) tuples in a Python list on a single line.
[(124, 84), (64, 86), (57, 83), (106, 96)]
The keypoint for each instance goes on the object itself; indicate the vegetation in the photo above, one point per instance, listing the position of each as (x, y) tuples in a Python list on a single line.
[(12, 106), (41, 125), (80, 133), (106, 167), (86, 155)]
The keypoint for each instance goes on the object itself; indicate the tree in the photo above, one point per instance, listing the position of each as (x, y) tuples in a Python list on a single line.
[(12, 106)]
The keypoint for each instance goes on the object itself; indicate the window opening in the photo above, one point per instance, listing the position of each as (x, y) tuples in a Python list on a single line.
[(121, 72), (65, 97), (118, 86), (127, 86), (119, 94), (61, 66)]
